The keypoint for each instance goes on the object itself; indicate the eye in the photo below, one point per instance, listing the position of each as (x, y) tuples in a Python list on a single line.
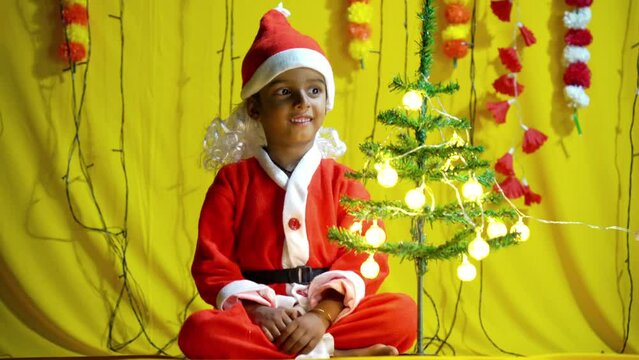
[(283, 91), (316, 90)]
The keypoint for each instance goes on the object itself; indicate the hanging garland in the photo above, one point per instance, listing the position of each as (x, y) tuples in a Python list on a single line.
[(75, 19), (577, 74), (508, 85), (455, 35), (360, 14)]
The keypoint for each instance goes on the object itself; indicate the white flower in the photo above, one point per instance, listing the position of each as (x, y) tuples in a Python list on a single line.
[(577, 19), (577, 96), (574, 54)]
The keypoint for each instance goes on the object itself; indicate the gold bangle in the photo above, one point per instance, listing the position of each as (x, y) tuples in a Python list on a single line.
[(323, 313)]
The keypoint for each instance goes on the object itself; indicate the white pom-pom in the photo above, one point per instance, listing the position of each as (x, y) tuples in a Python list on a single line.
[(280, 7), (577, 96), (574, 54), (577, 19)]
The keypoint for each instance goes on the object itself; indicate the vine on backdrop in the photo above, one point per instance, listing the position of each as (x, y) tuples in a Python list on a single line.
[(508, 86)]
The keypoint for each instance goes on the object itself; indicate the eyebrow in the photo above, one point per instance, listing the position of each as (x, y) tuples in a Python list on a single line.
[(317, 79)]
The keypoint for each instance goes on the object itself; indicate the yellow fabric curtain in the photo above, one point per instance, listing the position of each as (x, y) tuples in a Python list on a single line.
[(137, 192)]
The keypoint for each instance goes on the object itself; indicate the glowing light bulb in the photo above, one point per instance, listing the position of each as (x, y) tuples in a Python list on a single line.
[(412, 100), (522, 229), (472, 189), (496, 228), (466, 271), (478, 248), (375, 235), (415, 199), (369, 268), (386, 175), (356, 227)]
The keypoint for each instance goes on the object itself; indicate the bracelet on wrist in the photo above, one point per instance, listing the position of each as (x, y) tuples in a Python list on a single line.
[(323, 313)]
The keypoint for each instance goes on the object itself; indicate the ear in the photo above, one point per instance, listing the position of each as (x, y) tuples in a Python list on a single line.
[(253, 107)]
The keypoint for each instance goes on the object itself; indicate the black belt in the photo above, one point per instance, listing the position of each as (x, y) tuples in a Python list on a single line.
[(300, 275)]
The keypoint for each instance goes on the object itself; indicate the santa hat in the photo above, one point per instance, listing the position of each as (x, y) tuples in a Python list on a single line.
[(277, 48)]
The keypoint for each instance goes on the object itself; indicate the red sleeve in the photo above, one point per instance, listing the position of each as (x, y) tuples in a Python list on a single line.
[(349, 259), (213, 265)]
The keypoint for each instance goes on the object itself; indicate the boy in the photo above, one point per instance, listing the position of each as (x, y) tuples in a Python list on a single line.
[(263, 258)]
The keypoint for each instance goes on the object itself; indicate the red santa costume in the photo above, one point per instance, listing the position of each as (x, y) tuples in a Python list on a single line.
[(256, 217)]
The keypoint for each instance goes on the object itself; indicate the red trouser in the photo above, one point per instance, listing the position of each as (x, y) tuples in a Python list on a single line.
[(389, 319)]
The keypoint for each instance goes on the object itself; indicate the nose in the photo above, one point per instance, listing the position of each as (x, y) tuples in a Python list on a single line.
[(300, 100)]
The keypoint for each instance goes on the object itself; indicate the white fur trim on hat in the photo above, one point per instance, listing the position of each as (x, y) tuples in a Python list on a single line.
[(287, 60)]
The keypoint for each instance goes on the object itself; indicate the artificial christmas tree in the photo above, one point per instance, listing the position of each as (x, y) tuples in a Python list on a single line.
[(426, 160)]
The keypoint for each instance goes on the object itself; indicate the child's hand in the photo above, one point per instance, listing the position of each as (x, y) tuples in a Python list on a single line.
[(303, 334), (273, 321)]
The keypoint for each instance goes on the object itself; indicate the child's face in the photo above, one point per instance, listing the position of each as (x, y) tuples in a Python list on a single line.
[(291, 108)]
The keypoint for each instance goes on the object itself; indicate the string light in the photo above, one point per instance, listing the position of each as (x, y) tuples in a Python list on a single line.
[(375, 235), (386, 175), (466, 271), (369, 268), (478, 248), (496, 228), (522, 229), (472, 189), (456, 140), (412, 100), (415, 198)]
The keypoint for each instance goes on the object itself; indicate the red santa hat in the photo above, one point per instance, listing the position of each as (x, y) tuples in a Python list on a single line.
[(278, 47)]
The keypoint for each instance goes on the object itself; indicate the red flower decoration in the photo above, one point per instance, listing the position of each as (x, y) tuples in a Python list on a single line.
[(502, 9), (530, 197), (499, 110), (512, 187), (506, 84), (75, 51), (359, 31), (457, 14), (527, 35), (457, 48), (505, 164), (579, 3), (578, 37), (510, 59), (75, 14), (578, 74), (533, 139)]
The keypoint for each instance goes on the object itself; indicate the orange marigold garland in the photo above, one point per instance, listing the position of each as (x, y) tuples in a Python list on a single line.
[(455, 35), (75, 19), (360, 14)]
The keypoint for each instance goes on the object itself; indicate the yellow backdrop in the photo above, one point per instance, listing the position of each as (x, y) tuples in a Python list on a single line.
[(566, 290)]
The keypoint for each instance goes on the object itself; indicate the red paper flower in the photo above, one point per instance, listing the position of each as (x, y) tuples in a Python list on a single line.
[(579, 3), (76, 51), (502, 9), (506, 84), (499, 109), (75, 14), (533, 139), (456, 49), (578, 37), (577, 74), (359, 31), (511, 187), (527, 35), (530, 197), (457, 14), (504, 164), (510, 59)]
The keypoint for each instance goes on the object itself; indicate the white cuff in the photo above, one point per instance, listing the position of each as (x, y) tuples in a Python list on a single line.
[(345, 282), (245, 289)]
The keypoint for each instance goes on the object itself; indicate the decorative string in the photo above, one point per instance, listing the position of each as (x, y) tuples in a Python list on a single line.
[(116, 236), (1, 124), (221, 51), (472, 102), (405, 39), (481, 321), (379, 67), (630, 175), (232, 56), (452, 324)]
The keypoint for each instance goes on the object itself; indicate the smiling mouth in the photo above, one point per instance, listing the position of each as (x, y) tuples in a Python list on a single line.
[(301, 120)]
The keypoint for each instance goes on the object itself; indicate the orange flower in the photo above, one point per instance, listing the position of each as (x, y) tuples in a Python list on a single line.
[(457, 14), (359, 31)]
